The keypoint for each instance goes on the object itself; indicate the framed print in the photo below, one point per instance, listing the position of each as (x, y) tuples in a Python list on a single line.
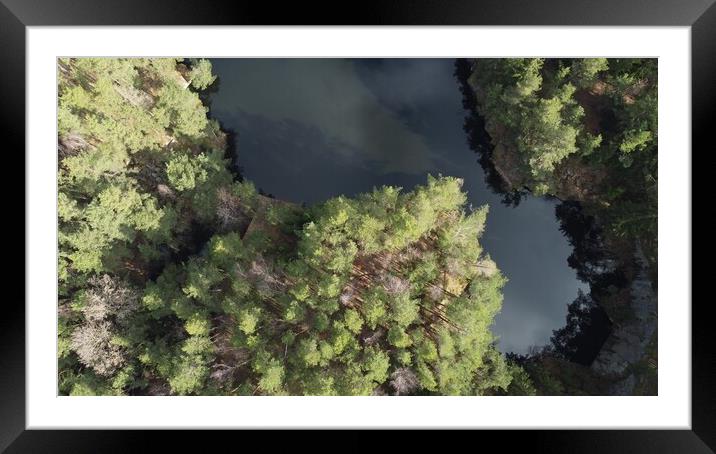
[(415, 216)]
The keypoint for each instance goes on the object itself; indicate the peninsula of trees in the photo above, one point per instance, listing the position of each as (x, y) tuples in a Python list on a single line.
[(176, 277)]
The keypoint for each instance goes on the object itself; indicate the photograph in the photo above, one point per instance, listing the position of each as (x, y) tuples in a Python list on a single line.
[(406, 215), (357, 226)]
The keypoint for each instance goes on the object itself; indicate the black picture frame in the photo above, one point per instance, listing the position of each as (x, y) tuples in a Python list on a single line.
[(700, 15)]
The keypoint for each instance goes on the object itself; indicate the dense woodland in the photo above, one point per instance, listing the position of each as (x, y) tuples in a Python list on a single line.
[(581, 129), (584, 131), (176, 277)]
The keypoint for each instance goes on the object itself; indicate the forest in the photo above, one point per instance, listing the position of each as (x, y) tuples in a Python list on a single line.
[(585, 132), (579, 129), (178, 277)]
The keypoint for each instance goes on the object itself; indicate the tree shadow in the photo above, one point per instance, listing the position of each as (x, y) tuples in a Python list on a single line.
[(479, 140)]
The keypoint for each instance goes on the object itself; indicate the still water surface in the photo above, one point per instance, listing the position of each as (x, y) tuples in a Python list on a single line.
[(311, 129)]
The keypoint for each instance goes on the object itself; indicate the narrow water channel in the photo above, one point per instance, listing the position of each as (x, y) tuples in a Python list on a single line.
[(310, 129)]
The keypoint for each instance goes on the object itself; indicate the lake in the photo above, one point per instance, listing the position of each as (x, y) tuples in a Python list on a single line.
[(311, 129)]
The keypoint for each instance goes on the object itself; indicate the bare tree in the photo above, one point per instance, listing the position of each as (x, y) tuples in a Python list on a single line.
[(379, 392), (455, 266), (346, 296), (109, 298), (222, 372), (70, 144), (108, 302), (395, 285), (410, 253), (228, 209), (435, 293), (404, 381), (93, 344), (165, 191), (263, 276), (372, 338)]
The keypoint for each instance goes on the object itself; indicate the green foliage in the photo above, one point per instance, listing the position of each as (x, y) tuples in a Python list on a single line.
[(224, 250), (118, 122), (189, 375), (197, 345), (374, 309), (588, 143), (201, 76), (398, 338), (545, 138), (292, 316), (561, 118), (197, 325), (543, 121), (375, 365), (585, 70), (403, 310), (272, 378), (634, 141), (182, 113), (270, 371), (521, 384), (87, 384), (185, 173), (249, 319), (308, 352), (353, 320), (115, 215), (346, 297)]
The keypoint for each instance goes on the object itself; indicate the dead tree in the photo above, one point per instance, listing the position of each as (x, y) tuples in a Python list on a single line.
[(404, 381)]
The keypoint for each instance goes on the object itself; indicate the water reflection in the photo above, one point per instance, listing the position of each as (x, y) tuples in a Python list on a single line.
[(327, 99), (310, 129)]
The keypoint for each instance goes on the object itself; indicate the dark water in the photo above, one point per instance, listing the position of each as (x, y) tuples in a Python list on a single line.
[(311, 129)]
